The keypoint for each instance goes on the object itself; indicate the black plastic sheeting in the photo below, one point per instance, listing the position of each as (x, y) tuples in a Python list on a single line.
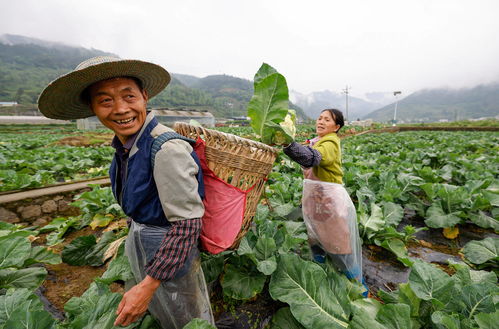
[(383, 271)]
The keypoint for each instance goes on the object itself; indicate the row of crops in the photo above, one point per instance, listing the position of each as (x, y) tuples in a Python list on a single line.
[(41, 157), (439, 182)]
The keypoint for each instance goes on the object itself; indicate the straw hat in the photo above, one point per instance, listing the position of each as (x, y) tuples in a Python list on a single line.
[(61, 99)]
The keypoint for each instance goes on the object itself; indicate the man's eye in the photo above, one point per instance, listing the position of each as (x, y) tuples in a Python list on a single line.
[(105, 100), (129, 96)]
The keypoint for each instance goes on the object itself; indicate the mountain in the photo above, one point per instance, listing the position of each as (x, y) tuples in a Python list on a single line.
[(429, 105), (229, 95), (27, 65), (314, 103)]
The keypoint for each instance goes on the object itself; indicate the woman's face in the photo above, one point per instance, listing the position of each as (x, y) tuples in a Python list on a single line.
[(325, 124)]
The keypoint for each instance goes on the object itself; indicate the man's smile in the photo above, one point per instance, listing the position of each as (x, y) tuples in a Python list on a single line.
[(124, 121)]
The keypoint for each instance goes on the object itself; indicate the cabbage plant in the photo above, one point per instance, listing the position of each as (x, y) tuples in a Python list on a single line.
[(271, 119)]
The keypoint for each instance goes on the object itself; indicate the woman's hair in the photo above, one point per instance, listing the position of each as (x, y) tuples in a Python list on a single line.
[(337, 117)]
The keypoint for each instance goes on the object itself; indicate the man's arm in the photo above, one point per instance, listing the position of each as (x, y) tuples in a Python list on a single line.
[(174, 250), (175, 175)]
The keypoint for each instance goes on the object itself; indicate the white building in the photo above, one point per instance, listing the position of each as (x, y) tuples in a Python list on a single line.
[(8, 104), (166, 116)]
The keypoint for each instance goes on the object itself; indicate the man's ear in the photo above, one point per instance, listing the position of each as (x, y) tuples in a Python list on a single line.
[(145, 95)]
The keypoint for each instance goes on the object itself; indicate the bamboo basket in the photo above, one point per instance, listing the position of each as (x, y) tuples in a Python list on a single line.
[(238, 161)]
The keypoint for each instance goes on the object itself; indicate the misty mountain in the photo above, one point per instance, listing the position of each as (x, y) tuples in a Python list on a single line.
[(27, 65), (430, 105), (315, 102), (25, 51), (16, 40)]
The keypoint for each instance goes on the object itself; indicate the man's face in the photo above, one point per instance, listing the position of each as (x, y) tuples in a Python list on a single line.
[(120, 105)]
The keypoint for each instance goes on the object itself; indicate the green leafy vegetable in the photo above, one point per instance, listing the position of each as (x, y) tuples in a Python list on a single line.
[(429, 282), (29, 278), (482, 220), (283, 319), (394, 316), (118, 269), (301, 284), (14, 249), (198, 324), (268, 107), (239, 283), (479, 252), (20, 308), (85, 250), (487, 320)]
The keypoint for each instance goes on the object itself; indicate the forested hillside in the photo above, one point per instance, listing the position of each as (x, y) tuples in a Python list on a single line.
[(26, 68), (223, 95), (228, 95), (444, 104), (27, 65)]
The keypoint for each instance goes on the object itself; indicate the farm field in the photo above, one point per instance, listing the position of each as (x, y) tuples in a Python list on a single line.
[(427, 207), (38, 156)]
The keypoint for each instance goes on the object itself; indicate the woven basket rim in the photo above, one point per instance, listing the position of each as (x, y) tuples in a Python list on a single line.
[(229, 137)]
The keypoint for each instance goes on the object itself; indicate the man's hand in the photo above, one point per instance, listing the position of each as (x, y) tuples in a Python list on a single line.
[(135, 301)]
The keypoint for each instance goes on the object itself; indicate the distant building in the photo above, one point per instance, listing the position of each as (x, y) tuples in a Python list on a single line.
[(90, 123), (166, 116), (29, 119), (8, 104), (362, 123)]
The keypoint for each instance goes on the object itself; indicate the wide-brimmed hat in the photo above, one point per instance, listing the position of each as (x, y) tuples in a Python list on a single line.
[(62, 98)]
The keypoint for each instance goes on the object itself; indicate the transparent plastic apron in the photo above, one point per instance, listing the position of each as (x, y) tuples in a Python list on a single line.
[(331, 221), (176, 301)]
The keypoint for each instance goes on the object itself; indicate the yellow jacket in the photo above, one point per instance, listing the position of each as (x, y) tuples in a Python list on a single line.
[(329, 169)]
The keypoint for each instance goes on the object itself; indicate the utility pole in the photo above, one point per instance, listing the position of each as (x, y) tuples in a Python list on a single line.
[(395, 93), (345, 91)]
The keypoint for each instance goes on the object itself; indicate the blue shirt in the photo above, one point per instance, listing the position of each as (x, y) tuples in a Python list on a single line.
[(122, 152)]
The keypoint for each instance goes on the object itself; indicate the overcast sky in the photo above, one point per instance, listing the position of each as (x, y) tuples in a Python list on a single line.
[(381, 45)]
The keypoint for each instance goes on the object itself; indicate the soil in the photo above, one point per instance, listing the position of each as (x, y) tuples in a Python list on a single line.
[(253, 314), (64, 281), (93, 139)]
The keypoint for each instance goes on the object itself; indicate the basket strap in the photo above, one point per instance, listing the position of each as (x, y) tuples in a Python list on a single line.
[(165, 137)]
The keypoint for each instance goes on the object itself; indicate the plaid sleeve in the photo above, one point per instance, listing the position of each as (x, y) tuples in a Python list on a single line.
[(173, 252), (303, 155)]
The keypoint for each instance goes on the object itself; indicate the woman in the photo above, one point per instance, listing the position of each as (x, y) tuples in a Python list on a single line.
[(327, 208)]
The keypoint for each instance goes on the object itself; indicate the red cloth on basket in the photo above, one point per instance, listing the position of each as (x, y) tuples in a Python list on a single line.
[(224, 208)]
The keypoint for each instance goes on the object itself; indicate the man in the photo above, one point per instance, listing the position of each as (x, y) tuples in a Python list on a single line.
[(163, 203)]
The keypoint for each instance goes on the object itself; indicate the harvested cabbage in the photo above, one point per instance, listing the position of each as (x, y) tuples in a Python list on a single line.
[(286, 133), (271, 119)]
